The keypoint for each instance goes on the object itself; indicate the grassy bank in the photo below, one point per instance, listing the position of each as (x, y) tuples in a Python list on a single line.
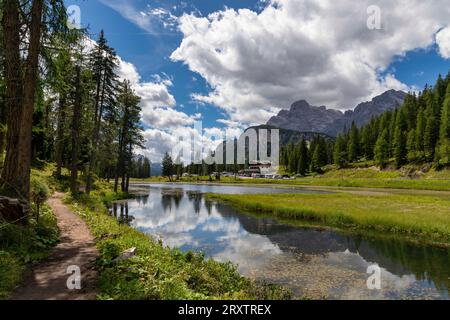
[(423, 217), (157, 272), (22, 246), (356, 178)]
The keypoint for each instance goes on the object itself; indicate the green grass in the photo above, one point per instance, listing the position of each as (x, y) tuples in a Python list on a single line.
[(157, 272), (21, 246), (422, 217), (355, 178)]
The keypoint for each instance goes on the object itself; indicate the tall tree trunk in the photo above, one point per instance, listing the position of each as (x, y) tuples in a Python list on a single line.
[(12, 183), (30, 83), (60, 135), (95, 135), (76, 133), (127, 182)]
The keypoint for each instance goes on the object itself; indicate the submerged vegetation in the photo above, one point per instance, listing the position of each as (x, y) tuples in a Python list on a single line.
[(425, 217)]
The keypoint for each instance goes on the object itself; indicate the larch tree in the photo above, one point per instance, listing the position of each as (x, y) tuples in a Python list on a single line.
[(104, 65), (21, 74)]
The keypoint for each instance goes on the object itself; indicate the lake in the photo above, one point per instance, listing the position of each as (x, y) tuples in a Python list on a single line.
[(313, 262)]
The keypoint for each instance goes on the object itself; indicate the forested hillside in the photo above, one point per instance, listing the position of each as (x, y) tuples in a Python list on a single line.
[(61, 101), (416, 133)]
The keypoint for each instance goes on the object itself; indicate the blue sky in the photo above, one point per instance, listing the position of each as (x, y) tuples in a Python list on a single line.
[(246, 80)]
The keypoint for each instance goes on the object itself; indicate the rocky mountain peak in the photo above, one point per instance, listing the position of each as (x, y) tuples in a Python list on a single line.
[(306, 118)]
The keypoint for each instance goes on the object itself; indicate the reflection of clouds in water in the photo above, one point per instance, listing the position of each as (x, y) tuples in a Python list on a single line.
[(207, 230), (169, 221), (391, 285), (179, 240), (248, 251)]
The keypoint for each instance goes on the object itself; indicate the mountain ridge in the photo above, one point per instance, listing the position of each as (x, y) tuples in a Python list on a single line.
[(303, 117)]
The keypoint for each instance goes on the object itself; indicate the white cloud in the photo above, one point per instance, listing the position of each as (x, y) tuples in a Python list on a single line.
[(129, 12), (319, 50), (158, 109), (443, 42), (152, 20)]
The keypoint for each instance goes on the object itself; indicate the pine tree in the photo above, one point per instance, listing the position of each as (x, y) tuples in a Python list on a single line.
[(319, 157), (104, 64), (420, 133), (400, 136), (130, 134), (443, 149), (353, 143), (411, 146), (381, 153), (431, 134), (430, 137), (168, 168), (303, 162), (340, 152)]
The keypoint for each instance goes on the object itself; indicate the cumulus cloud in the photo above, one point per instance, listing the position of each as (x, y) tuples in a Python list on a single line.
[(319, 50), (168, 128), (159, 112), (443, 42)]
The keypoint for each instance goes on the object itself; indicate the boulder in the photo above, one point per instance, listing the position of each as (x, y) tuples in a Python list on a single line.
[(13, 210)]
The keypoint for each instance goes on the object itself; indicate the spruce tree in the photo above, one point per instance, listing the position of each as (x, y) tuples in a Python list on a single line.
[(319, 156), (353, 143), (381, 153), (400, 137), (443, 151), (104, 65), (340, 152), (168, 168), (411, 146), (303, 158), (420, 133)]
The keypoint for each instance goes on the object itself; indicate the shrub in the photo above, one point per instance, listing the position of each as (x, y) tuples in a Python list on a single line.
[(39, 193)]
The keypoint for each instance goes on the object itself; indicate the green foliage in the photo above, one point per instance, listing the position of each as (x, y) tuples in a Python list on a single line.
[(10, 273), (157, 272), (23, 245), (353, 144), (39, 192), (167, 166), (340, 156), (382, 150)]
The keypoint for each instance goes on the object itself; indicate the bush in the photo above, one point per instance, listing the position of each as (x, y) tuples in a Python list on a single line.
[(39, 193), (22, 245)]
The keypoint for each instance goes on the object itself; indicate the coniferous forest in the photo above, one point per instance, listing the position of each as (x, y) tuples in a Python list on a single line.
[(416, 133), (61, 101)]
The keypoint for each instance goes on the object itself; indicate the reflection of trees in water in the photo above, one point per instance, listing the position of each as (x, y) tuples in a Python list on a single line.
[(121, 212), (196, 198), (395, 255), (171, 197), (142, 199), (208, 206)]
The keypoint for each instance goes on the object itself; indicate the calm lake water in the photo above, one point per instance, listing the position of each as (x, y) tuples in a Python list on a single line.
[(312, 262)]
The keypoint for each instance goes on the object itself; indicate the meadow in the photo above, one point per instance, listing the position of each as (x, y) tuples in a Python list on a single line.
[(418, 216), (344, 178)]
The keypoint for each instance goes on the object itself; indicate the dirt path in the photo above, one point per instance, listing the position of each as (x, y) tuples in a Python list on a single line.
[(48, 280)]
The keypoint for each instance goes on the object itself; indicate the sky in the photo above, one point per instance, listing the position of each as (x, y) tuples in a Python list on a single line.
[(230, 64)]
